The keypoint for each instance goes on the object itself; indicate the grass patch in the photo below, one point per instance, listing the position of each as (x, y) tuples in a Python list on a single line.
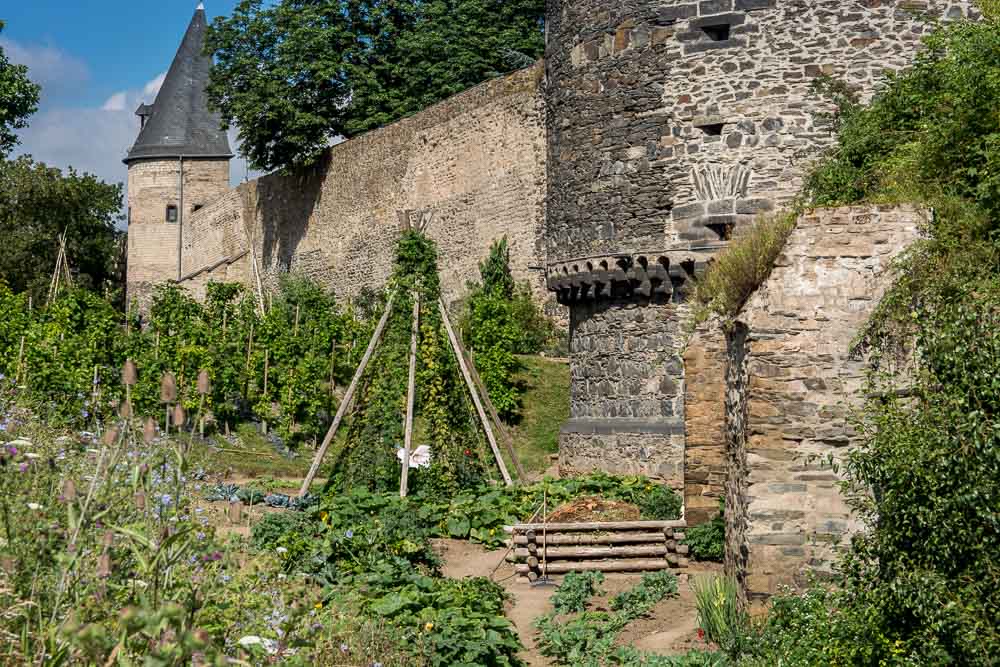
[(742, 267), (253, 456), (545, 410)]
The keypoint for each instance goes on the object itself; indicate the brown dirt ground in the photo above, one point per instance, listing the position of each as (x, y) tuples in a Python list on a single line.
[(671, 628)]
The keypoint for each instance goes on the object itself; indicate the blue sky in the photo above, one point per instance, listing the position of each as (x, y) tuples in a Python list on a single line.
[(95, 60)]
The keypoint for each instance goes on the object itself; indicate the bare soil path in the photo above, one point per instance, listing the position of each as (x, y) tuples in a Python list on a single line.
[(671, 628)]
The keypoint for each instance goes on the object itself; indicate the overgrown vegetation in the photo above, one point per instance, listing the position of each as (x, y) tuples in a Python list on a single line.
[(294, 75), (743, 266)]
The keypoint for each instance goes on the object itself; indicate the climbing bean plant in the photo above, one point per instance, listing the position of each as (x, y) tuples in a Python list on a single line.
[(445, 419)]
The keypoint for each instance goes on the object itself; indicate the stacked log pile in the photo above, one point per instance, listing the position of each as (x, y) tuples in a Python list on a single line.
[(606, 546)]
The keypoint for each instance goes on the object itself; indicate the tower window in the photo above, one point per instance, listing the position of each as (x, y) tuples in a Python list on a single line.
[(712, 129), (171, 213), (718, 32)]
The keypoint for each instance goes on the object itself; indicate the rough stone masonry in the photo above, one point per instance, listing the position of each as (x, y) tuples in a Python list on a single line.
[(672, 125)]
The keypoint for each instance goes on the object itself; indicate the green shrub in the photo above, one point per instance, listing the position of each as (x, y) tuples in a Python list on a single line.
[(501, 320), (708, 541), (743, 266), (651, 589)]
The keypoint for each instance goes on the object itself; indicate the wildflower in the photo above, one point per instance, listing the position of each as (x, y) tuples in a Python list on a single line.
[(34, 507), (282, 550), (344, 648), (468, 452), (349, 534), (23, 467), (428, 626), (249, 640), (165, 499), (31, 455), (318, 605), (12, 450), (701, 633)]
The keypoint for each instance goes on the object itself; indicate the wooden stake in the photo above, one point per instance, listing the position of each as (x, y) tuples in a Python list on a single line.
[(346, 401), (475, 395), (411, 394), (508, 442), (296, 334), (20, 360)]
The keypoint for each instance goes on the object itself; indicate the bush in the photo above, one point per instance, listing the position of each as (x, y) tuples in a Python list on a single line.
[(501, 321), (708, 541), (743, 266)]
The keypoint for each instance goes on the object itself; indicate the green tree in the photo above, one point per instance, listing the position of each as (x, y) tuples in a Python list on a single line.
[(18, 100), (296, 74), (37, 204)]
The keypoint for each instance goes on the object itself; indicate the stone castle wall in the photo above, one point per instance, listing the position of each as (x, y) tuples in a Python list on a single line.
[(473, 165), (794, 382), (671, 126)]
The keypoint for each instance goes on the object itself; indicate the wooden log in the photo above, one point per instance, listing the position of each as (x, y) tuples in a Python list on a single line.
[(594, 538), (683, 549), (679, 536), (411, 394), (673, 558), (619, 565), (608, 551), (346, 401), (533, 562), (597, 525), (671, 545), (475, 395), (532, 548)]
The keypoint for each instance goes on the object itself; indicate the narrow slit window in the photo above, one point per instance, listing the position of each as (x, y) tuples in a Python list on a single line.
[(171, 213), (712, 129), (717, 33)]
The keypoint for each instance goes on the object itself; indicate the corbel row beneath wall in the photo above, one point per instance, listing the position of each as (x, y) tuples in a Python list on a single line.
[(622, 276)]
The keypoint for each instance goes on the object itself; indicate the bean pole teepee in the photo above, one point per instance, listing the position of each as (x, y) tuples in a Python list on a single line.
[(472, 383)]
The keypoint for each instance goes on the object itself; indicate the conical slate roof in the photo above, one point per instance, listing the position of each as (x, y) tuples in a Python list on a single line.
[(180, 123)]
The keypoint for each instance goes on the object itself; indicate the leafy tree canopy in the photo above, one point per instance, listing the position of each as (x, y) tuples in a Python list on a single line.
[(18, 100), (37, 203), (294, 75)]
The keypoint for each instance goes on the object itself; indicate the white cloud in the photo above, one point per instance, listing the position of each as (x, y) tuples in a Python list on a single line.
[(57, 72), (116, 102), (153, 87)]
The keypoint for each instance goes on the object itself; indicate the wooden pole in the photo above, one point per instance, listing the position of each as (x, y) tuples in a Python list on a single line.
[(475, 395), (411, 394), (296, 334), (508, 442), (267, 358), (346, 401)]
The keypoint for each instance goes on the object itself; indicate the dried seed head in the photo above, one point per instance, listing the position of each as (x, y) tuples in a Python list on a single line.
[(109, 540), (179, 416), (204, 386), (110, 436), (140, 501), (8, 564), (69, 490), (104, 566), (130, 376), (124, 410), (168, 388), (149, 430)]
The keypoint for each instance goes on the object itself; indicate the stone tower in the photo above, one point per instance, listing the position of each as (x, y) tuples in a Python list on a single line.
[(179, 163), (673, 124)]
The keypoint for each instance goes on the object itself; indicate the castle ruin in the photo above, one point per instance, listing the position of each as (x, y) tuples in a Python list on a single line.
[(654, 131)]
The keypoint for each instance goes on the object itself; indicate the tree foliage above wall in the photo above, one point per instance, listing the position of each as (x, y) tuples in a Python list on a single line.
[(18, 100), (39, 203), (294, 75)]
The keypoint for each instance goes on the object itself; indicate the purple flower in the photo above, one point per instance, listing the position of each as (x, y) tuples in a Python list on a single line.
[(349, 534), (23, 467), (12, 450)]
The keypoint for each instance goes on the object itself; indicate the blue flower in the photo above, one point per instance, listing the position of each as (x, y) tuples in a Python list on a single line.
[(166, 499), (349, 534)]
